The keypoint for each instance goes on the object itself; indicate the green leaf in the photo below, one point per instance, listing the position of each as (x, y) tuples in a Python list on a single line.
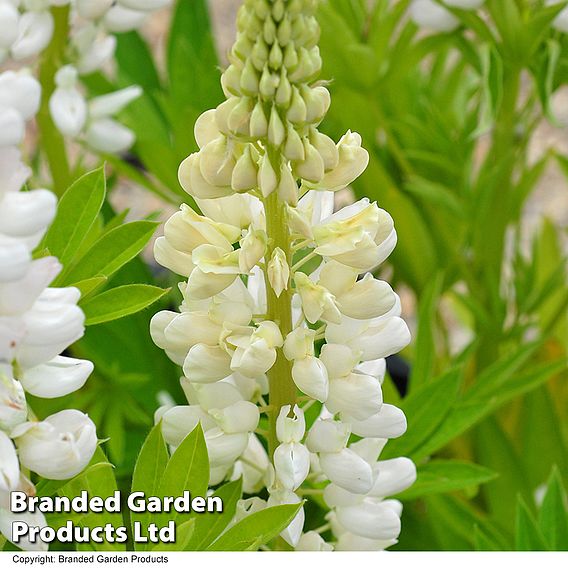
[(425, 409), (425, 340), (469, 410), (88, 286), (191, 56), (187, 470), (256, 529), (119, 302), (76, 214), (210, 527), (445, 476), (101, 482), (184, 533), (528, 536), (553, 514), (135, 61), (112, 251), (149, 470)]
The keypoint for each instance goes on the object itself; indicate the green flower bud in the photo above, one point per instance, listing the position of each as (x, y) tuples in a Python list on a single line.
[(243, 47), (245, 173), (269, 31), (276, 130), (317, 102), (262, 9), (239, 118), (298, 112), (290, 56), (278, 10), (231, 81), (284, 91), (284, 32), (287, 187), (258, 122), (275, 58), (249, 79), (294, 147), (259, 54), (267, 180), (268, 83), (311, 168)]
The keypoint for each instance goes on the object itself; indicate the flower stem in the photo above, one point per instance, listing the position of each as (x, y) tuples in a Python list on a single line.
[(282, 387), (52, 141)]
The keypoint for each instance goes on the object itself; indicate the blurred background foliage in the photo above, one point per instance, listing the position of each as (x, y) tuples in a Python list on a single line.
[(450, 121)]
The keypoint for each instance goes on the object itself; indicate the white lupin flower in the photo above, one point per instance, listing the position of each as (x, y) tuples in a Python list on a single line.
[(59, 377), (9, 468), (264, 178), (67, 105), (313, 542), (59, 447), (35, 519), (291, 457), (13, 407), (35, 30)]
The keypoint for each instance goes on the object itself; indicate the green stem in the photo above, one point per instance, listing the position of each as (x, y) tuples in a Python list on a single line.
[(51, 141), (282, 387), (492, 242)]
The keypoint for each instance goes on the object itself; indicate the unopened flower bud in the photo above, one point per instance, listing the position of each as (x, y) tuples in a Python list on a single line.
[(294, 147), (287, 186), (284, 91), (231, 81), (253, 248), (290, 56), (276, 130), (217, 162), (249, 83), (245, 174), (278, 271), (298, 112), (268, 83), (326, 148), (317, 102), (259, 54), (267, 180), (239, 119), (258, 122)]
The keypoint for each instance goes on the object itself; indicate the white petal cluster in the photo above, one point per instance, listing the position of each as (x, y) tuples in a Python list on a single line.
[(26, 29), (280, 298), (432, 15), (37, 323), (224, 361)]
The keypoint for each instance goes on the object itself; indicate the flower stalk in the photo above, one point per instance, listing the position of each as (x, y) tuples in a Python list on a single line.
[(282, 387)]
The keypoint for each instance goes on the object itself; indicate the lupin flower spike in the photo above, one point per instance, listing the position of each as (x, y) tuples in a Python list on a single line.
[(37, 323), (272, 272)]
